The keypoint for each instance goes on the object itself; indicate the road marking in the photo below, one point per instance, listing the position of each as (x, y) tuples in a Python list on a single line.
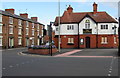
[(10, 66), (4, 68), (88, 56), (2, 50), (17, 64), (109, 74), (27, 62), (110, 71), (67, 53), (111, 64), (23, 63), (10, 49)]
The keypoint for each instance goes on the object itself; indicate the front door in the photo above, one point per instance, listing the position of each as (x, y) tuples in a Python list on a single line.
[(27, 42), (11, 42), (87, 42)]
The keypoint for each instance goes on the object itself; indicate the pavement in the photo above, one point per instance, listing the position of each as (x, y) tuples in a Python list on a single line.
[(14, 64)]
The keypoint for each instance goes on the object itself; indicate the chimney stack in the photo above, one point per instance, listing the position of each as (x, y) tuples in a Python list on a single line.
[(24, 15), (70, 9), (10, 10), (34, 18), (94, 8)]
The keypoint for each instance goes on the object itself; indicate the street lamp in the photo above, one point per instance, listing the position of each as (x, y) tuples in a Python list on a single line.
[(59, 25)]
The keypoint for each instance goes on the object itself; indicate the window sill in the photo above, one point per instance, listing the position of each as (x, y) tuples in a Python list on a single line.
[(70, 43), (19, 34), (10, 33), (104, 43)]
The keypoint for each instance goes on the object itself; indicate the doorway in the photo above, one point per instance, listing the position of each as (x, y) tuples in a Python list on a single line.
[(87, 42)]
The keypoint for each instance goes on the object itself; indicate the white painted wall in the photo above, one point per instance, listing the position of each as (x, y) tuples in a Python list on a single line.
[(109, 30), (93, 26), (64, 31)]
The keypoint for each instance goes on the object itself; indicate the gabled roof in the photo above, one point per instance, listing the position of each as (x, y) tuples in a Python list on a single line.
[(99, 17), (17, 16)]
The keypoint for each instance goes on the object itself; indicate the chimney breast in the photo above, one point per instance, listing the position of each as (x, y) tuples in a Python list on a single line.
[(70, 9), (24, 15), (94, 8), (34, 19), (10, 10)]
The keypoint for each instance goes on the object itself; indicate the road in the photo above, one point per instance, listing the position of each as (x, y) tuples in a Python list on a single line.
[(14, 64)]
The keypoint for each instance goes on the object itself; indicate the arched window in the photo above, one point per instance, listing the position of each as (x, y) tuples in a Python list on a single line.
[(87, 24)]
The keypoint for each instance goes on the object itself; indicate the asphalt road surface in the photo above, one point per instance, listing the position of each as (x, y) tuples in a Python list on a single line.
[(14, 64)]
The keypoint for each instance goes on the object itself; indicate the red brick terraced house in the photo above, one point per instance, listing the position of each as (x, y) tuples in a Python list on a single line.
[(19, 30), (86, 29)]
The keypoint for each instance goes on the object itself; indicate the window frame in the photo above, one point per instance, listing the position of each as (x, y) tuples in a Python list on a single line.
[(87, 24), (104, 40), (1, 28), (27, 31), (11, 27), (33, 32), (70, 41), (10, 20), (19, 42)]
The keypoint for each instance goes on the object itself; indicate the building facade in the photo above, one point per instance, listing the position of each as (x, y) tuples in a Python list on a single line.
[(19, 30), (86, 29)]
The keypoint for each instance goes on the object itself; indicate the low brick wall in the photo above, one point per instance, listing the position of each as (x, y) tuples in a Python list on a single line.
[(42, 51)]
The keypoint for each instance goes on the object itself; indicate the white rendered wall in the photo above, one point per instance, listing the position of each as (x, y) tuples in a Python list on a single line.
[(93, 26)]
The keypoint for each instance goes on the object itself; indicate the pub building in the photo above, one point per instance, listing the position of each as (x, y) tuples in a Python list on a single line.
[(86, 29)]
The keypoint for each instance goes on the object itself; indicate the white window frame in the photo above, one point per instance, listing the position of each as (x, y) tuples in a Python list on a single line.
[(87, 24), (19, 22), (11, 32), (19, 31), (20, 42), (27, 24), (33, 25), (33, 41), (1, 28), (70, 27), (1, 37), (104, 27), (10, 20), (104, 40), (0, 18), (27, 31), (38, 27), (70, 40), (115, 40), (33, 32)]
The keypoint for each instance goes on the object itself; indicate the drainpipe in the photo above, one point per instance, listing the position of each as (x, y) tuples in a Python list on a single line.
[(97, 36), (78, 38)]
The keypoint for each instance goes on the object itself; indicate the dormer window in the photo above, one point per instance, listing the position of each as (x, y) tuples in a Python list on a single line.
[(87, 24)]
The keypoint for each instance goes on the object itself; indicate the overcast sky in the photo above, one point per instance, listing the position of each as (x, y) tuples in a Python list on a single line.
[(47, 11)]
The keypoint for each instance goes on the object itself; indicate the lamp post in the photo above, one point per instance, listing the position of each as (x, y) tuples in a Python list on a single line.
[(119, 37), (59, 25)]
